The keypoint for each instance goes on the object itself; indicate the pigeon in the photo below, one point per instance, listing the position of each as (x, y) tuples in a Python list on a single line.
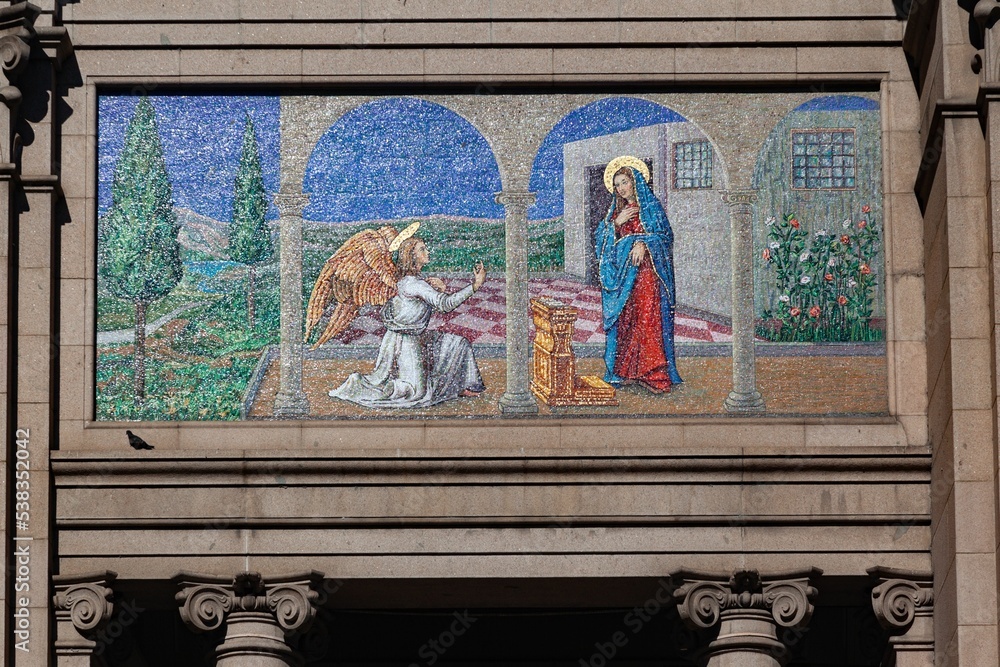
[(137, 442)]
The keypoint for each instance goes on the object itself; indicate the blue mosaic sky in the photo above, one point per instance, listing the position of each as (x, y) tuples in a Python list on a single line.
[(401, 157), (839, 103), (606, 116), (202, 137)]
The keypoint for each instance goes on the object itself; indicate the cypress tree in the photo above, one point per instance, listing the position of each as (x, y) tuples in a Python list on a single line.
[(249, 236), (139, 257)]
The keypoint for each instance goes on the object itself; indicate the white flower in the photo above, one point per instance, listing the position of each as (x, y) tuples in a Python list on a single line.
[(804, 256), (832, 262), (805, 280), (852, 283), (770, 220), (822, 232), (773, 245), (846, 224), (784, 298)]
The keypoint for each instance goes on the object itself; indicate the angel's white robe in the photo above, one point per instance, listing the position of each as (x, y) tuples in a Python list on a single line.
[(416, 367)]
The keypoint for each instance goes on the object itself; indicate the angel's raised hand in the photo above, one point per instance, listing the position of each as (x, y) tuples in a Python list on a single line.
[(478, 276)]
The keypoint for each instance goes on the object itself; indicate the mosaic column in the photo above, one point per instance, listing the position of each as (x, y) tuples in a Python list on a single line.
[(904, 605), (291, 400), (744, 398), (83, 606), (258, 616), (748, 609), (518, 398)]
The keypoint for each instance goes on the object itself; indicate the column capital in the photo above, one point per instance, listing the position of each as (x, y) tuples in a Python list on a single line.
[(17, 31), (900, 597), (206, 600), (291, 204), (704, 598), (83, 606), (517, 199), (740, 197), (87, 601)]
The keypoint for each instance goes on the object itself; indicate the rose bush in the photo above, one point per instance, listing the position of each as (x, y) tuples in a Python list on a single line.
[(826, 284)]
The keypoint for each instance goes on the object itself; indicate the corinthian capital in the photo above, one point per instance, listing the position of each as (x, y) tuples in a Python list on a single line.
[(206, 601), (704, 599), (86, 601), (900, 597)]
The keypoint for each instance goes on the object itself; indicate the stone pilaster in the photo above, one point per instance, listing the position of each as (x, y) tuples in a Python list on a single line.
[(748, 609), (83, 606), (744, 398), (257, 615), (518, 398), (904, 605), (291, 401)]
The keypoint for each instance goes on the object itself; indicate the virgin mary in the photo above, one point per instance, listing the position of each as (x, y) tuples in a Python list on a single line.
[(634, 245)]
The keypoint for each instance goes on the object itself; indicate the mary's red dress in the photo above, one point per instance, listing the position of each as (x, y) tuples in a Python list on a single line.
[(640, 356)]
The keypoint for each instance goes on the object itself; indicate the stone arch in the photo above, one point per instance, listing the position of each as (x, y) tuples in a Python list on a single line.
[(400, 156)]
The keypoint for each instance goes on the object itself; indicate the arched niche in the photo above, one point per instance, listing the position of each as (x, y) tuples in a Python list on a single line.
[(689, 175), (822, 164)]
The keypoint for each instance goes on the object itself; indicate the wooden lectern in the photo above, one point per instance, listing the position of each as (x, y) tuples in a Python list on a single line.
[(554, 380)]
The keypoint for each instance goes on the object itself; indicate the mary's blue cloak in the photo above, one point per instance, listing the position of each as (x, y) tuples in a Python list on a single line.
[(618, 273)]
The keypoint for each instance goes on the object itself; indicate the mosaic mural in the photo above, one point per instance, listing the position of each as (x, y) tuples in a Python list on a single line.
[(392, 257)]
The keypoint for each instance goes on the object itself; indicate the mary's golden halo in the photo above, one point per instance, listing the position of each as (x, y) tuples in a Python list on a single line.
[(624, 161), (403, 235)]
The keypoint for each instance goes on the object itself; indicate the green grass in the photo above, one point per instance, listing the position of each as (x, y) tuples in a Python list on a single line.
[(199, 372), (176, 390), (114, 314)]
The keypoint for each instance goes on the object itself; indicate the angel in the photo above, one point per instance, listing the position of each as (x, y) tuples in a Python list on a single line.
[(415, 367)]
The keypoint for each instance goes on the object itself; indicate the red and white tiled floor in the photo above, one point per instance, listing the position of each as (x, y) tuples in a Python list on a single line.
[(482, 318)]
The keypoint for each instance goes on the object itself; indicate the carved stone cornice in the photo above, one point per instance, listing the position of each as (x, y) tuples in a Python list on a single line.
[(900, 597), (206, 601), (86, 601)]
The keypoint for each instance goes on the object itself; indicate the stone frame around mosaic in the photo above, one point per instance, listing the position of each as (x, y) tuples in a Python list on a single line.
[(903, 428)]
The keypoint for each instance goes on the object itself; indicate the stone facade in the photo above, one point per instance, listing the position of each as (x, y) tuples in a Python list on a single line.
[(742, 539)]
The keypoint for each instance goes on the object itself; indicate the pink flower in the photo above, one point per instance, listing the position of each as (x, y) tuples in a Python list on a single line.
[(865, 270), (795, 312), (794, 223), (766, 255), (828, 277), (862, 224), (845, 239), (866, 209), (814, 311), (842, 300)]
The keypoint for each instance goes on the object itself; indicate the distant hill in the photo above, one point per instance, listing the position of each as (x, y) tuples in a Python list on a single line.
[(203, 234)]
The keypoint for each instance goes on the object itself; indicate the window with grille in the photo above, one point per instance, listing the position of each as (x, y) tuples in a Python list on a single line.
[(692, 165), (823, 160)]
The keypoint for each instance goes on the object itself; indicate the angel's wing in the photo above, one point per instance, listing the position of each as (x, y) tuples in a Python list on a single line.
[(360, 273)]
